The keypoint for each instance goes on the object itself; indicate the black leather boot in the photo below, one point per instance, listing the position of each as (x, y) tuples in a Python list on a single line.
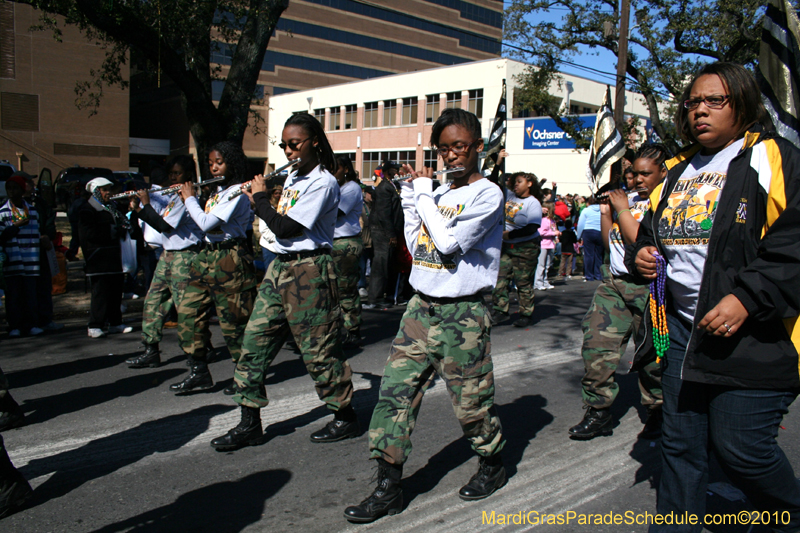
[(199, 379), (596, 422), (387, 498), (343, 426), (11, 415), (351, 339), (150, 358), (247, 433), (491, 475)]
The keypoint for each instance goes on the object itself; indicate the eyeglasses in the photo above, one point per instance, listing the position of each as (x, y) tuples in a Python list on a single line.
[(715, 101), (457, 149), (293, 145)]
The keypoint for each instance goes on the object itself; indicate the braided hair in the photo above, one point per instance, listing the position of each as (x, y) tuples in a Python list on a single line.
[(658, 152), (314, 129)]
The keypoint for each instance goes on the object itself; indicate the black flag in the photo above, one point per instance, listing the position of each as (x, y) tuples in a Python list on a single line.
[(607, 145), (497, 141), (778, 71)]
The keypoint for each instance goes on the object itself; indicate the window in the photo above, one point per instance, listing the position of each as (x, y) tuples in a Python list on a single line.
[(476, 102), (431, 159), (350, 113), (453, 100), (401, 157), (7, 41), (431, 107), (389, 112), (410, 110), (19, 112), (334, 123), (574, 109), (371, 115), (319, 114), (370, 163)]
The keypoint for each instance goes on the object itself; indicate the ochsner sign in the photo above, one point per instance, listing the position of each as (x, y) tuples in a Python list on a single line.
[(542, 133)]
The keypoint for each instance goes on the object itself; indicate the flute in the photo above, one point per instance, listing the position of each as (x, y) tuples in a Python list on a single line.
[(604, 196), (170, 190), (247, 186), (437, 173)]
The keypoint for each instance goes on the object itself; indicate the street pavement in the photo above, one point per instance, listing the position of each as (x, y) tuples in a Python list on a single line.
[(110, 449)]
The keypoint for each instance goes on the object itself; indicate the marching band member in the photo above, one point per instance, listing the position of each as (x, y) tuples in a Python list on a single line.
[(222, 272), (298, 295)]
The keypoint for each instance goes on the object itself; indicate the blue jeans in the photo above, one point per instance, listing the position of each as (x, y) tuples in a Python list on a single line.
[(740, 425), (592, 254)]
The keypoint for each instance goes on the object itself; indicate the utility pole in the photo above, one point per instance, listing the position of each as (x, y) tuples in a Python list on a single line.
[(622, 63)]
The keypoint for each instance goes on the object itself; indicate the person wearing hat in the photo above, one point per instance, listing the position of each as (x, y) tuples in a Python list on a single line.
[(19, 237), (103, 229)]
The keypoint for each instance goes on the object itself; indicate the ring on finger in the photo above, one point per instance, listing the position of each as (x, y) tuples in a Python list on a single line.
[(727, 327)]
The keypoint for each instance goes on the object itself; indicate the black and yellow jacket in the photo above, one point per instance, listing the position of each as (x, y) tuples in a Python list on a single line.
[(754, 254)]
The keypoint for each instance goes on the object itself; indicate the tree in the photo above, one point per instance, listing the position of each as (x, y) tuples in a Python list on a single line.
[(179, 36), (669, 40)]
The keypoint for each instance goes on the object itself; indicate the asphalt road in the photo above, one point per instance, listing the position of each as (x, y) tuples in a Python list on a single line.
[(110, 449)]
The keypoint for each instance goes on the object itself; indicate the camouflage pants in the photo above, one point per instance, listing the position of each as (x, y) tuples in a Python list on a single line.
[(169, 283), (225, 278), (452, 340), (615, 314), (297, 297), (518, 261), (346, 256)]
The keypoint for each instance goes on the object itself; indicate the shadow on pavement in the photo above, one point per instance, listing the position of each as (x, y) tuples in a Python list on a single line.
[(458, 452), (106, 455), (229, 506), (43, 374), (75, 400)]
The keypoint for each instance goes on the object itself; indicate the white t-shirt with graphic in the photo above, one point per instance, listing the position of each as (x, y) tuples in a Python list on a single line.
[(350, 203), (638, 206), (312, 201), (685, 225), (223, 218), (473, 217), (185, 233), (520, 212)]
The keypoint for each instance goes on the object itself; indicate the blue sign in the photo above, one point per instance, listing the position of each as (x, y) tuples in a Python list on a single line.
[(542, 133)]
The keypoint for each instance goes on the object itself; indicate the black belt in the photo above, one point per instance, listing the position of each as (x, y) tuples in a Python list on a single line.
[(348, 236), (292, 256), (230, 244), (195, 248), (477, 297)]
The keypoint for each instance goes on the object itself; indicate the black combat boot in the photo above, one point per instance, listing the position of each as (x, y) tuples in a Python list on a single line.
[(343, 426), (491, 475), (199, 379), (387, 498), (247, 433), (11, 415), (351, 340), (14, 489), (596, 422), (150, 358), (522, 322), (498, 317)]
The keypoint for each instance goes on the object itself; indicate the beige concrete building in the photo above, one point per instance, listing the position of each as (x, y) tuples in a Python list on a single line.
[(40, 126), (390, 118)]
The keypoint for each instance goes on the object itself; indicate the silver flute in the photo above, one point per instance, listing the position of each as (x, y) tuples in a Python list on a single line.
[(170, 190), (603, 197), (437, 173), (247, 186)]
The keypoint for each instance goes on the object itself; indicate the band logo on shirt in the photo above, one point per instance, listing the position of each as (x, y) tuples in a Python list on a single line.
[(426, 255), (512, 208), (287, 201), (741, 211), (169, 209), (638, 208), (692, 205), (212, 202)]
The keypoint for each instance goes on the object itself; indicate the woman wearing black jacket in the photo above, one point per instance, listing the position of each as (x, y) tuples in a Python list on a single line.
[(102, 232), (725, 227)]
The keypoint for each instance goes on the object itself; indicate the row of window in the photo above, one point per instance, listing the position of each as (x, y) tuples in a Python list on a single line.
[(373, 160), (408, 115), (370, 42), (473, 12), (471, 40)]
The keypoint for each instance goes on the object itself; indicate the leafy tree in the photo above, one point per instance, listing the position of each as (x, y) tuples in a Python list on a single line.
[(668, 42), (179, 36)]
